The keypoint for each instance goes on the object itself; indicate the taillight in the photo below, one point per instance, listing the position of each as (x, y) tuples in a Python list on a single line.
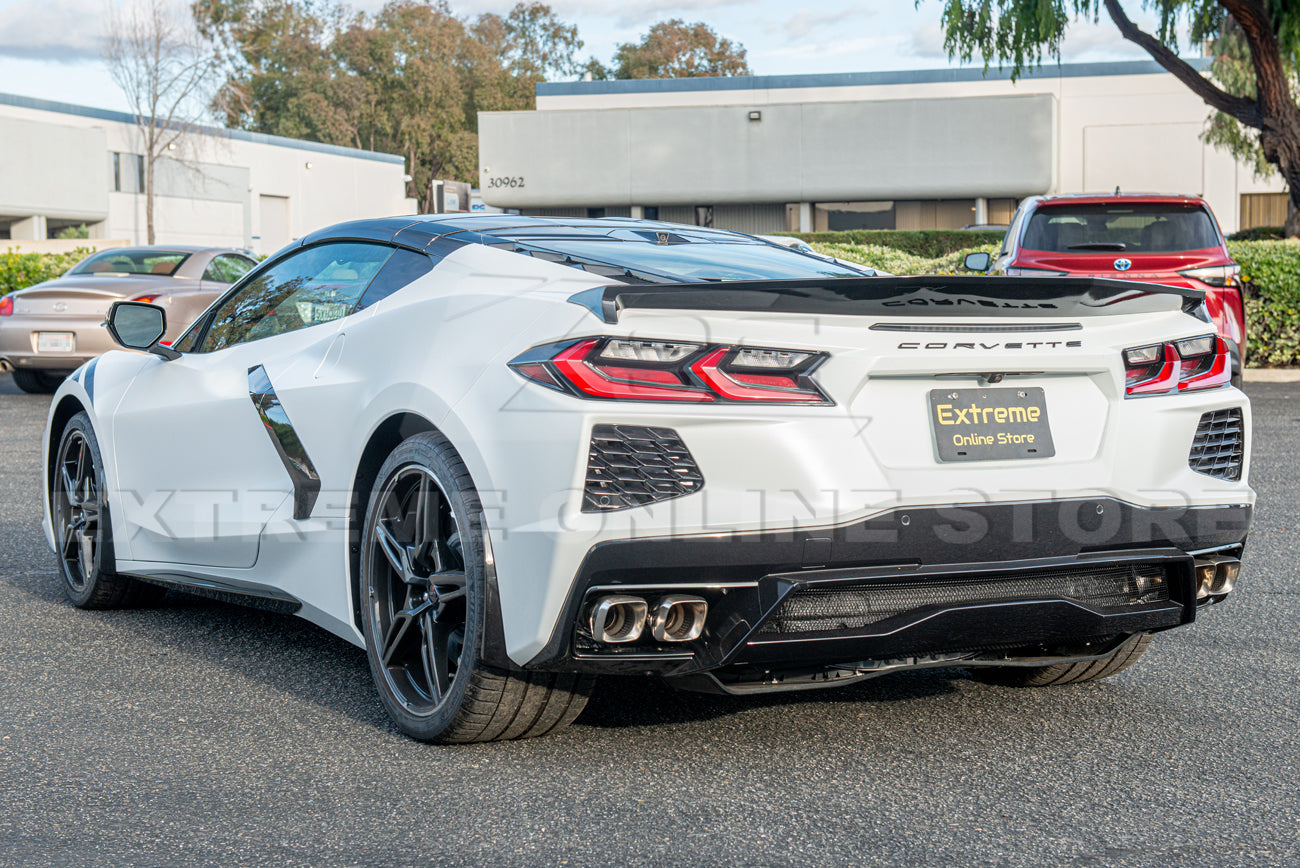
[(646, 370), (6, 306), (1214, 275), (1178, 366), (146, 298)]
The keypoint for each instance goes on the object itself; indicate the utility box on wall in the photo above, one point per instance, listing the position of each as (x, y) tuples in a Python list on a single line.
[(451, 197)]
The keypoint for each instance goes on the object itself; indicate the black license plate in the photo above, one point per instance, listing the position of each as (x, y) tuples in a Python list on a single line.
[(990, 424)]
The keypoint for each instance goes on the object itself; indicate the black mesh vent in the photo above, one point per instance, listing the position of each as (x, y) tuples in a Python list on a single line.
[(1219, 447), (631, 466), (852, 607)]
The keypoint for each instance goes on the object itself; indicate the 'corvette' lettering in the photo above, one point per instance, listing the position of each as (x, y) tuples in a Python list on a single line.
[(971, 345)]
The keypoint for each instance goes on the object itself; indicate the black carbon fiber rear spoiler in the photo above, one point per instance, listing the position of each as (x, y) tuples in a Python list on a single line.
[(902, 296)]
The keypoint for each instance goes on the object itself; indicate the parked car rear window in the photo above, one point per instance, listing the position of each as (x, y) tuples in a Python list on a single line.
[(697, 261), (1131, 228), (153, 261)]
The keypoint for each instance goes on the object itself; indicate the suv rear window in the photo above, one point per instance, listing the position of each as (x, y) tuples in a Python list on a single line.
[(1132, 228)]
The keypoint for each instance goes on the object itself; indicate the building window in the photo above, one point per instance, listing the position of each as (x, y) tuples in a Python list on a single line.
[(651, 212), (128, 173), (117, 172), (704, 215), (595, 213)]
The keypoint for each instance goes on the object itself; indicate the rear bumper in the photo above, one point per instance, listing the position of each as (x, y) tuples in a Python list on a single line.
[(18, 347), (749, 578)]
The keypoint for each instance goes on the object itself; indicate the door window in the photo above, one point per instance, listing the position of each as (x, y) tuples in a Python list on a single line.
[(227, 268), (313, 286)]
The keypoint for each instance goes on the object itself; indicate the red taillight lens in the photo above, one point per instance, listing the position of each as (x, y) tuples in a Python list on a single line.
[(1180, 366), (642, 370), (6, 306), (147, 298)]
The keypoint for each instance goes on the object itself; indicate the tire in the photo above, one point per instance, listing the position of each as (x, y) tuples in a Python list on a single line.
[(37, 382), (83, 531), (424, 608), (1067, 673)]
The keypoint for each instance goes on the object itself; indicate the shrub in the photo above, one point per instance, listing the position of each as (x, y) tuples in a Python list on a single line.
[(902, 262), (928, 243), (21, 270), (1258, 233), (1271, 270)]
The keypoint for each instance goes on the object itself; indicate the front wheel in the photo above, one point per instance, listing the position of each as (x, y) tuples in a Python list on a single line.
[(82, 530), (424, 602)]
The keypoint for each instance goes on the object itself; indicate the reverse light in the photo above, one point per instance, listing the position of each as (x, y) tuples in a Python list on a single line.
[(6, 306), (1214, 275), (1186, 365), (648, 370)]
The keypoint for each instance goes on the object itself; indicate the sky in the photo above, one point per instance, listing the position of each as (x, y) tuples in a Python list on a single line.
[(50, 48)]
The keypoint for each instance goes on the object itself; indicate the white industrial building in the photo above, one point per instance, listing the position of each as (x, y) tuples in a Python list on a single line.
[(906, 150), (64, 165)]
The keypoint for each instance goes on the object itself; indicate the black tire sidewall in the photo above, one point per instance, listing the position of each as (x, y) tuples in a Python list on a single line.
[(106, 573), (37, 382), (435, 454)]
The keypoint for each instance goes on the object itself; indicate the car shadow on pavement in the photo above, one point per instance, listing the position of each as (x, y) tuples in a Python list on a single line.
[(627, 701)]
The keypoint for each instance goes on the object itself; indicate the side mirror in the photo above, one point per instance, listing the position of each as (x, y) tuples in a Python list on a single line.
[(139, 326), (977, 262)]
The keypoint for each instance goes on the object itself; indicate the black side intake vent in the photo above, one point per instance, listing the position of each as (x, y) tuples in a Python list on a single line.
[(629, 465), (1219, 447)]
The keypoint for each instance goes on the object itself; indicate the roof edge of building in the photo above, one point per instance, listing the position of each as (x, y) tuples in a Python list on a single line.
[(851, 79), (45, 105)]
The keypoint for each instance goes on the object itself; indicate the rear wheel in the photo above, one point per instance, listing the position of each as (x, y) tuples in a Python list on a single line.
[(1068, 673), (82, 531), (424, 607), (37, 382)]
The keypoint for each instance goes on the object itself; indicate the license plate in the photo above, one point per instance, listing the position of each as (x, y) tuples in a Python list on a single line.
[(54, 342), (990, 424)]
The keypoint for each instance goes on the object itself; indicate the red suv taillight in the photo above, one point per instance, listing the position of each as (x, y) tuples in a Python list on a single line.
[(6, 306), (626, 369), (1179, 366)]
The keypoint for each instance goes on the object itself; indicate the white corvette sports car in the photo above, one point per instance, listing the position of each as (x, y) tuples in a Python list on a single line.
[(507, 454)]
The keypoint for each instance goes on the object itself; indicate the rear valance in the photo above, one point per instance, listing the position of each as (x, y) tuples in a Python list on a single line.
[(902, 296)]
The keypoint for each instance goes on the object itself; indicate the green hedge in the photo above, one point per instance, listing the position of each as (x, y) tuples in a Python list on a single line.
[(1271, 270), (21, 270), (926, 243)]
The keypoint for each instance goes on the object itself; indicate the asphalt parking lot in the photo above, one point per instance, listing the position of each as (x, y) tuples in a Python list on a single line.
[(201, 733)]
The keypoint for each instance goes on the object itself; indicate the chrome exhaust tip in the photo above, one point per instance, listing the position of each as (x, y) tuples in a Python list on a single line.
[(617, 618), (1216, 576), (678, 618)]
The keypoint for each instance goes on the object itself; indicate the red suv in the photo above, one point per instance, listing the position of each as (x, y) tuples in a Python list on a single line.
[(1132, 236)]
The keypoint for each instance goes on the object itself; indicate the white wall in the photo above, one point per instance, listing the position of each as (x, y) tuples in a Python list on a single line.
[(322, 188), (1140, 131)]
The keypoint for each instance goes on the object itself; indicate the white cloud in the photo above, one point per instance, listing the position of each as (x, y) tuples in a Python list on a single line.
[(805, 21), (64, 31)]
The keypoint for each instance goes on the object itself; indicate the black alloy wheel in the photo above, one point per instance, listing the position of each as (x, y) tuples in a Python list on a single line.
[(418, 595), (78, 506), (425, 571), (83, 535)]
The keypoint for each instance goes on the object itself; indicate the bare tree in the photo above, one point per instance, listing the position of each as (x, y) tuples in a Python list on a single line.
[(165, 68)]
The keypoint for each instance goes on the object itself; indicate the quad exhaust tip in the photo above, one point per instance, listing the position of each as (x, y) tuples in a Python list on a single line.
[(1216, 576), (619, 618)]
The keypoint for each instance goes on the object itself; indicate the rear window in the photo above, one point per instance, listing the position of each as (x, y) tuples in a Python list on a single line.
[(154, 261), (692, 261), (1118, 228)]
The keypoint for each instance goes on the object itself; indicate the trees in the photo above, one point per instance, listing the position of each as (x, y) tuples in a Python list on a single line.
[(675, 49), (1018, 32), (164, 67), (409, 79)]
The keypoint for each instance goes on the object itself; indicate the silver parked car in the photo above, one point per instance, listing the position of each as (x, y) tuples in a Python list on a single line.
[(50, 329)]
